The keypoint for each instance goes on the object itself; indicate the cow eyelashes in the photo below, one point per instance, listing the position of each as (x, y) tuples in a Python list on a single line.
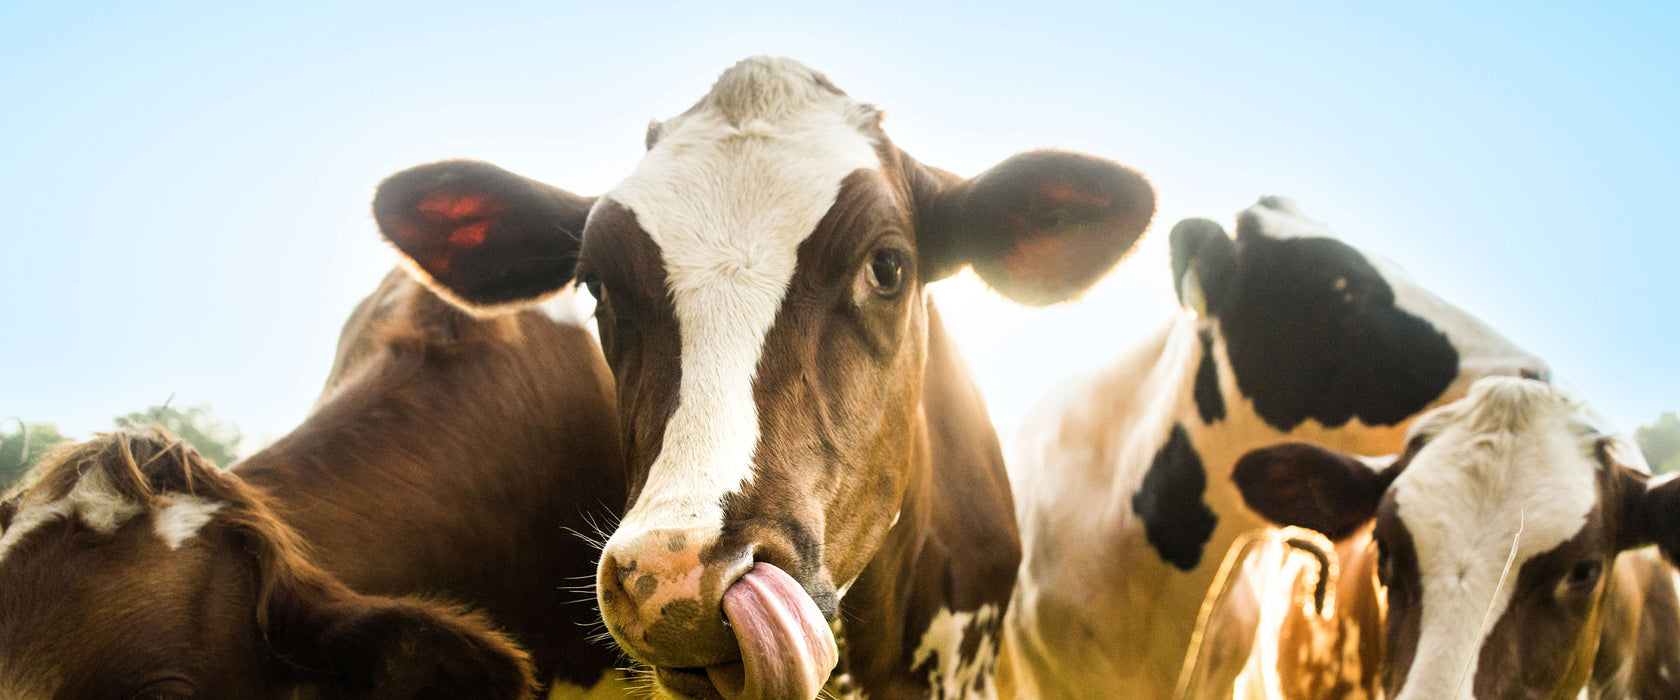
[(171, 689), (1583, 575), (885, 272)]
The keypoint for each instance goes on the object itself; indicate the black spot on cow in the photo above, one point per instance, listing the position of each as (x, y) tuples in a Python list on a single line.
[(1312, 331), (1209, 403), (1176, 521)]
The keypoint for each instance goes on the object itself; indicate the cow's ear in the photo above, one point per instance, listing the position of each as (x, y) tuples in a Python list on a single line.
[(1204, 261), (372, 646), (1661, 517), (1040, 227), (1308, 486), (479, 235), (1649, 507)]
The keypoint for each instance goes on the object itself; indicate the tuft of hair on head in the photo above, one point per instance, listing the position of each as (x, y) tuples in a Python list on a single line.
[(767, 88), (138, 465), (1510, 404)]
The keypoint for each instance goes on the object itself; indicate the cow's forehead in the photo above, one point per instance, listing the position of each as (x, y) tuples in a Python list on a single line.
[(1509, 468), (760, 156), (1513, 450), (95, 503), (728, 192)]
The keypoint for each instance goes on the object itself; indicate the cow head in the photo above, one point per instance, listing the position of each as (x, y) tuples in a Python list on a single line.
[(1313, 329), (1497, 530), (1301, 337), (760, 282), (130, 568)]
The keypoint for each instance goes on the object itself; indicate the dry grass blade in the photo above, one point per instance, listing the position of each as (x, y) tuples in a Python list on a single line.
[(1482, 630)]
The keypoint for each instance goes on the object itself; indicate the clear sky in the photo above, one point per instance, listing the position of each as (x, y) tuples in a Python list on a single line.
[(184, 187)]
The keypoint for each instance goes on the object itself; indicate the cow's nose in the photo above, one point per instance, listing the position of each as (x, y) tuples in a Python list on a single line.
[(660, 596)]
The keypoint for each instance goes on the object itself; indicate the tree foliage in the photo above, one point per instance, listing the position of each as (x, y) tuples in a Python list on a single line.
[(14, 460), (214, 438), (1660, 441), (217, 440)]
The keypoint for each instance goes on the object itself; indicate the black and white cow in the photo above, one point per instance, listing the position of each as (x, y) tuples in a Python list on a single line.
[(1502, 561), (1121, 477)]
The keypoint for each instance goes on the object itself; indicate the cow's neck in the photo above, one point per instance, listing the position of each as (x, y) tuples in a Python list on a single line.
[(927, 608), (505, 476), (1178, 392), (401, 428)]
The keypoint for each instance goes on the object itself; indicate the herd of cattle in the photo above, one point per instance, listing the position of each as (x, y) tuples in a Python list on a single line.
[(772, 477)]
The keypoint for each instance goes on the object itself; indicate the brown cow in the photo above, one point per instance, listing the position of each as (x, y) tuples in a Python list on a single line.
[(804, 444), (450, 459), (1510, 556)]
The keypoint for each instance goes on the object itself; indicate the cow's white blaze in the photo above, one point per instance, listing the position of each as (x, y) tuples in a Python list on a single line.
[(728, 193), (1507, 459)]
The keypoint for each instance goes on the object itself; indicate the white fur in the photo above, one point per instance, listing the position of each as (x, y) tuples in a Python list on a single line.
[(103, 509), (568, 308), (93, 499), (728, 193), (1287, 220), (182, 518), (1508, 458), (953, 677)]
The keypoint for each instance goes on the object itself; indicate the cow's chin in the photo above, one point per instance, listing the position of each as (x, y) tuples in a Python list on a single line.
[(787, 648)]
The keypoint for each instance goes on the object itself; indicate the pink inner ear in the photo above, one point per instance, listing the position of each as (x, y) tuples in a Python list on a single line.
[(1038, 261), (450, 205), (467, 216), (468, 235), (1065, 193), (435, 264)]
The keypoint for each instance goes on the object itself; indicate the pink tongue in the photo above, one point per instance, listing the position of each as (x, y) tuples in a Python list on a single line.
[(787, 650)]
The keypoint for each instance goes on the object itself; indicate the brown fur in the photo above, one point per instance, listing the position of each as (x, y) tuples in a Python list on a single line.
[(268, 621), (450, 458), (865, 411)]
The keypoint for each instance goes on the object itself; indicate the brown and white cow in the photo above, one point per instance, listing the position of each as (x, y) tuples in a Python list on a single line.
[(450, 459), (804, 444), (1508, 554), (1120, 477)]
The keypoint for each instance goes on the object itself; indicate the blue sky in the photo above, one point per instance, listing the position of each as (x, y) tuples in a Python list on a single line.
[(184, 187)]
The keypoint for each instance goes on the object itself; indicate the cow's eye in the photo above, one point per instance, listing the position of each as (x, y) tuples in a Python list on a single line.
[(886, 272), (1584, 575), (171, 689)]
